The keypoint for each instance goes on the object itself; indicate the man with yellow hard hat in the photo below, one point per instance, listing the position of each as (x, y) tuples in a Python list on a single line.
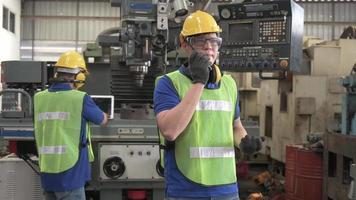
[(62, 133), (197, 113)]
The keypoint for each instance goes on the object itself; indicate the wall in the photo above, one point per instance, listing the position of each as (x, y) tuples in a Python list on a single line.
[(49, 28), (327, 20), (10, 42)]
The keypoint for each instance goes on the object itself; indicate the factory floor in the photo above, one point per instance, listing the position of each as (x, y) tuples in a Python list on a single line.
[(258, 179)]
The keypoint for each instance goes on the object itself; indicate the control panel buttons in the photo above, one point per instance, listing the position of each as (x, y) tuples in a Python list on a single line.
[(272, 31)]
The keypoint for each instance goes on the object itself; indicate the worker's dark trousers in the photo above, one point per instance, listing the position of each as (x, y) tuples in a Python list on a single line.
[(78, 194)]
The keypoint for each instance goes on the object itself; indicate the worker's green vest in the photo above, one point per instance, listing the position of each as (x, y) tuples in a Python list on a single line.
[(58, 117), (204, 151)]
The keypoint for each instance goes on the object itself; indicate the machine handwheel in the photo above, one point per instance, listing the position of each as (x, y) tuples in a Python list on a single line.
[(159, 168), (114, 167)]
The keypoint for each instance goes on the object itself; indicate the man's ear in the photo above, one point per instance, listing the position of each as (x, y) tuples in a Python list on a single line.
[(184, 45)]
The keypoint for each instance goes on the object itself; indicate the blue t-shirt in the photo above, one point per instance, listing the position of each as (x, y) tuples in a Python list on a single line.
[(80, 173), (177, 185)]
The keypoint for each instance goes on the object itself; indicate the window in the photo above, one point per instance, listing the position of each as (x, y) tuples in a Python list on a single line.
[(5, 18), (332, 161), (346, 178), (268, 121), (283, 107), (12, 22), (8, 19)]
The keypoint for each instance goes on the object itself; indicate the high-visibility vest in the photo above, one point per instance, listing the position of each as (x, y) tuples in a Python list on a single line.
[(58, 117), (204, 151)]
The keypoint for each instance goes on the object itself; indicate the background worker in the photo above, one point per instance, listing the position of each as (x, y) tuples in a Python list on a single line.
[(197, 113), (62, 132)]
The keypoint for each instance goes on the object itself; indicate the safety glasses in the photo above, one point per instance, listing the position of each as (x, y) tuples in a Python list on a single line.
[(200, 42)]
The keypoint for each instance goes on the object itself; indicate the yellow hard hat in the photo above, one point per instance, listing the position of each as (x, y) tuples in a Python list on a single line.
[(199, 22), (71, 62)]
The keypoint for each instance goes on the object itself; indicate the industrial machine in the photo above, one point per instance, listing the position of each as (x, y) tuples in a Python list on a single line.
[(259, 37), (349, 104), (126, 61), (12, 182), (339, 152), (306, 103)]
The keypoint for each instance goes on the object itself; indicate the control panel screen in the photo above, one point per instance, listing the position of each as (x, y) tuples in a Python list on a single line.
[(260, 7), (105, 103), (241, 32)]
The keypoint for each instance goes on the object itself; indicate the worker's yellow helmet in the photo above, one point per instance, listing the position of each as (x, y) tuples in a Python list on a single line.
[(71, 62), (199, 22)]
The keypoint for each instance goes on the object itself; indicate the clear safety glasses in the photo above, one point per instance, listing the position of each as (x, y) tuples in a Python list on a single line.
[(200, 42)]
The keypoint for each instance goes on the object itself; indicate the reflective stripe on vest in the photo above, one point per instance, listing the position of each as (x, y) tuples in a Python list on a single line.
[(58, 117), (214, 105), (53, 116), (212, 152), (52, 150), (204, 151)]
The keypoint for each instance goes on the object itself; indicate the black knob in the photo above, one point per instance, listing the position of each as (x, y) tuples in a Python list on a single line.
[(229, 66), (265, 64), (223, 66)]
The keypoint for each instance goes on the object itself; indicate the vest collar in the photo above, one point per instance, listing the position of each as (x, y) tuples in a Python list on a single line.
[(60, 87)]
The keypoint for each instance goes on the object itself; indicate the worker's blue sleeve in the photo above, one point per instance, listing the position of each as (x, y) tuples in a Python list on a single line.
[(91, 112), (237, 109), (165, 96)]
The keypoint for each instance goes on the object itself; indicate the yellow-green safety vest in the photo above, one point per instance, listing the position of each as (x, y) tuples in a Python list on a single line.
[(57, 119), (204, 151)]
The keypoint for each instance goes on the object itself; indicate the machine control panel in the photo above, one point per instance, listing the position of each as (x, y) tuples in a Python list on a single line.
[(261, 36), (125, 161)]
